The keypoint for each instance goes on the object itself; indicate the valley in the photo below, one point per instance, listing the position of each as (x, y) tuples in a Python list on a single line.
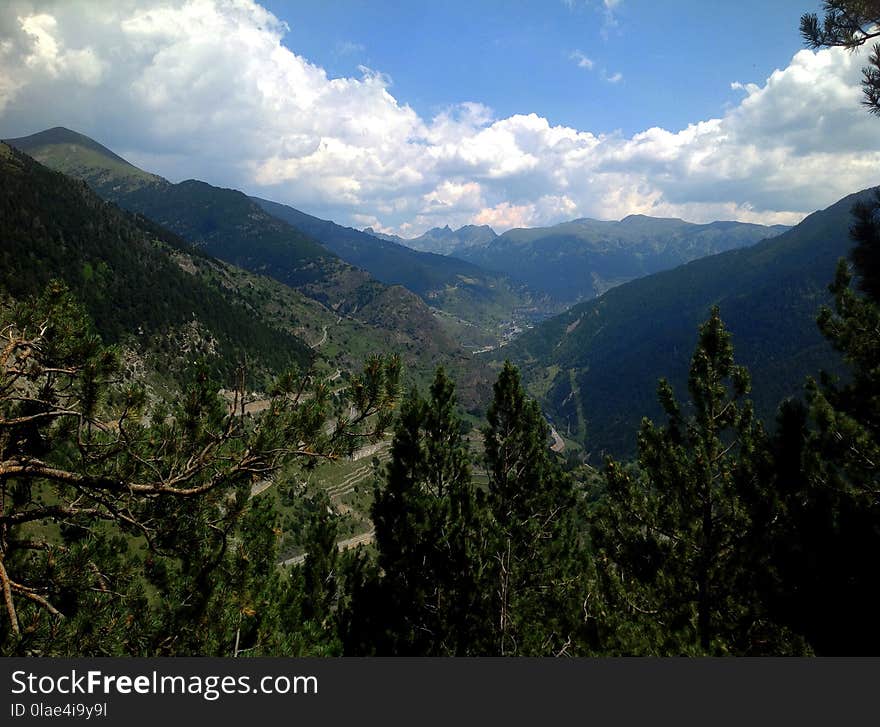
[(587, 365), (438, 331)]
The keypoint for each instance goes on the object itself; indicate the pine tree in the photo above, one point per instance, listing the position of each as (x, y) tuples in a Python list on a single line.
[(825, 537), (319, 571), (310, 595), (361, 616), (404, 516), (103, 493), (535, 553), (677, 537), (460, 533), (427, 521), (849, 24), (826, 464)]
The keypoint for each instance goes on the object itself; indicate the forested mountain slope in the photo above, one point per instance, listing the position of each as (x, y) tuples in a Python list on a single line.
[(226, 224), (76, 155), (223, 222), (597, 365), (122, 268)]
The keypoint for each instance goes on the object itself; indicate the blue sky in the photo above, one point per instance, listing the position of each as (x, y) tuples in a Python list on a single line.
[(406, 115), (677, 57)]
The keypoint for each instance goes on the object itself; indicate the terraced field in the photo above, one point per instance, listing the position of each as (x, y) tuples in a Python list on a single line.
[(349, 486)]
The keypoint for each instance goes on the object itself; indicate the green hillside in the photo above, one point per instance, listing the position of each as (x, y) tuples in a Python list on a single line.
[(226, 224), (597, 365), (581, 259), (79, 156), (123, 269), (222, 222), (390, 325)]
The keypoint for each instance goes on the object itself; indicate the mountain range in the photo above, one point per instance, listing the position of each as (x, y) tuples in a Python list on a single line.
[(225, 224), (581, 259), (237, 274), (324, 260), (131, 275), (443, 240), (596, 366), (473, 303)]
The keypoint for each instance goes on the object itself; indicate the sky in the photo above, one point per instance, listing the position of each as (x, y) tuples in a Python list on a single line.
[(408, 115)]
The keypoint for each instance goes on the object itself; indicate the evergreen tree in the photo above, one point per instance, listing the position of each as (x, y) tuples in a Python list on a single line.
[(319, 571), (535, 553), (362, 622), (849, 24), (825, 541), (311, 594), (103, 493), (826, 470), (428, 530), (461, 532), (677, 537), (405, 517), (848, 415)]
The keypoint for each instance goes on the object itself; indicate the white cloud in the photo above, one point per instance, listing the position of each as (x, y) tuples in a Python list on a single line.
[(749, 88), (609, 18), (206, 89), (505, 215), (455, 196), (46, 56), (581, 60), (9, 83), (612, 77)]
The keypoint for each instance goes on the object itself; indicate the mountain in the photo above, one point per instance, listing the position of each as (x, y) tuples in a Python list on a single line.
[(131, 275), (581, 259), (226, 224), (222, 222), (476, 305), (596, 366), (338, 266), (443, 240), (79, 156), (393, 322)]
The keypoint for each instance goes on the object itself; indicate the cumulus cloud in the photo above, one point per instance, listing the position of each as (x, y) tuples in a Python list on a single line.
[(207, 89)]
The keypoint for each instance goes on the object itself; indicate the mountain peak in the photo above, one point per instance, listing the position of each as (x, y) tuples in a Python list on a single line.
[(630, 219), (61, 135), (476, 229), (78, 155)]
